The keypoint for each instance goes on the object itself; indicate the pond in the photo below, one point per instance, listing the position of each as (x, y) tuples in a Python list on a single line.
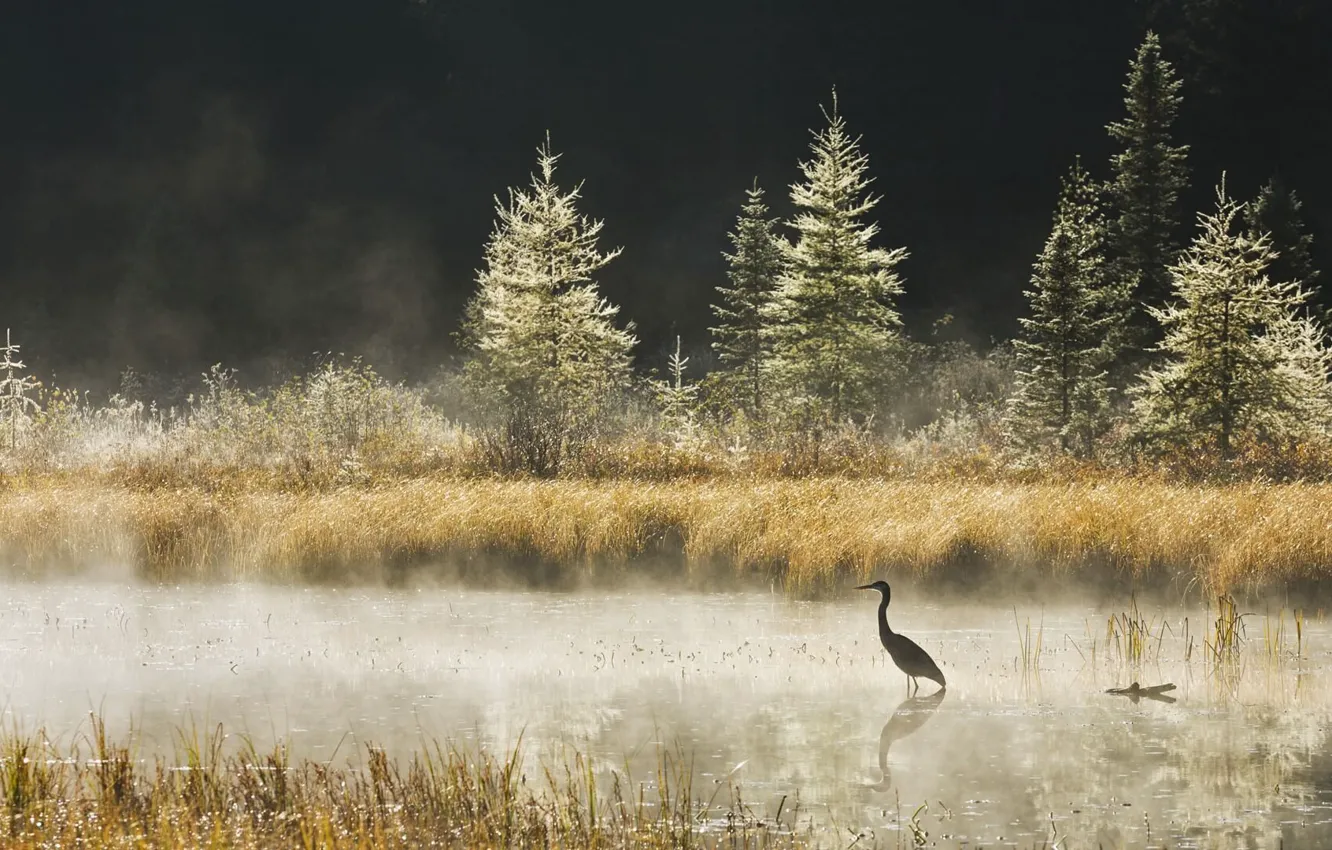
[(794, 702)]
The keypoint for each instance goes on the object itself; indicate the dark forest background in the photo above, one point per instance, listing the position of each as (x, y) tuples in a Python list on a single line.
[(252, 181)]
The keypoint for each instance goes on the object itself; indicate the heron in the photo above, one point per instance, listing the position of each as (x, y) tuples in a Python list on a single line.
[(906, 653)]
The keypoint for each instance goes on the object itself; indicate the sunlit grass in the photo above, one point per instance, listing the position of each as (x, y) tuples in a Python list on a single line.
[(93, 793), (1227, 632), (1130, 635), (1029, 647), (806, 534)]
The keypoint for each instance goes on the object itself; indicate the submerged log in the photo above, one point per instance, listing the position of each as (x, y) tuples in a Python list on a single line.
[(1136, 692)]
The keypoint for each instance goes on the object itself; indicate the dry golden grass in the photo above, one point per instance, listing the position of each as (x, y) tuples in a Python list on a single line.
[(807, 534), (99, 793)]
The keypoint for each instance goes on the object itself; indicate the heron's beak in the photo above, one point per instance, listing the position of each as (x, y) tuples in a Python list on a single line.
[(865, 587)]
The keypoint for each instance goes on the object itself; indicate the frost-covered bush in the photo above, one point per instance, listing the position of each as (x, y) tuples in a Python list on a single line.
[(343, 421)]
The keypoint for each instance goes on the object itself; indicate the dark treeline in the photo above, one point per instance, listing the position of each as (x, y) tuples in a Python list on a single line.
[(1147, 329), (250, 183)]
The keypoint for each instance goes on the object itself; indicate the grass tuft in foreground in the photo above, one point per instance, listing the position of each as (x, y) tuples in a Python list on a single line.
[(95, 794)]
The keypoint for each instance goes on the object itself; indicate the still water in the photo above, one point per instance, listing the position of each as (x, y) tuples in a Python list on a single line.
[(796, 703)]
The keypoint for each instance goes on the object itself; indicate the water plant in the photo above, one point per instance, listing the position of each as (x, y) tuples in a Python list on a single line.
[(1277, 639), (1299, 632), (1131, 635), (1228, 633), (1029, 646)]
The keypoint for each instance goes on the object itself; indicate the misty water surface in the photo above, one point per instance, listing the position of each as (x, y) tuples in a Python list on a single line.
[(786, 698)]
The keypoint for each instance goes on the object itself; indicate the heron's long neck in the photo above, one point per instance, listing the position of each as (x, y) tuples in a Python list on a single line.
[(884, 631)]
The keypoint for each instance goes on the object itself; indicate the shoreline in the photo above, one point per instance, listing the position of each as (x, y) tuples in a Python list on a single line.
[(808, 536)]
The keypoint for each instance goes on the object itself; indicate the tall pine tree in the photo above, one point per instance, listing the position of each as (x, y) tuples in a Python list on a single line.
[(1111, 292), (742, 337), (545, 352), (1149, 174), (1062, 394), (1242, 355), (838, 334)]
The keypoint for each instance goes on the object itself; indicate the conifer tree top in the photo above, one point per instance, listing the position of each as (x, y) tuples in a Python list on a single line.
[(835, 176), (831, 201), (540, 239), (837, 341), (1151, 96)]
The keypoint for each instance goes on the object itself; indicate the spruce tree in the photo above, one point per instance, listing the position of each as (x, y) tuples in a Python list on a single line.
[(742, 337), (838, 343), (1149, 174), (1242, 356), (546, 354), (1062, 393), (676, 399), (1082, 207)]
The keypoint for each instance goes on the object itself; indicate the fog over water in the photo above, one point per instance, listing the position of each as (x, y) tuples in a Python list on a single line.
[(786, 698)]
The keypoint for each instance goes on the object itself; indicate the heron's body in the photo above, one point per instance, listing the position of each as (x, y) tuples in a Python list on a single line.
[(905, 652)]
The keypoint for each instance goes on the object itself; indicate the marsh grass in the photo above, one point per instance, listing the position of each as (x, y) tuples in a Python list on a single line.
[(1224, 647), (1029, 647), (1134, 638), (30, 774), (1274, 637), (441, 797), (1284, 642), (1228, 655), (340, 472), (1299, 632), (1228, 631), (808, 535)]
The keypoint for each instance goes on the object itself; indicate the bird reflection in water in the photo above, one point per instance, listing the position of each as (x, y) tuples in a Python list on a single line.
[(906, 720)]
